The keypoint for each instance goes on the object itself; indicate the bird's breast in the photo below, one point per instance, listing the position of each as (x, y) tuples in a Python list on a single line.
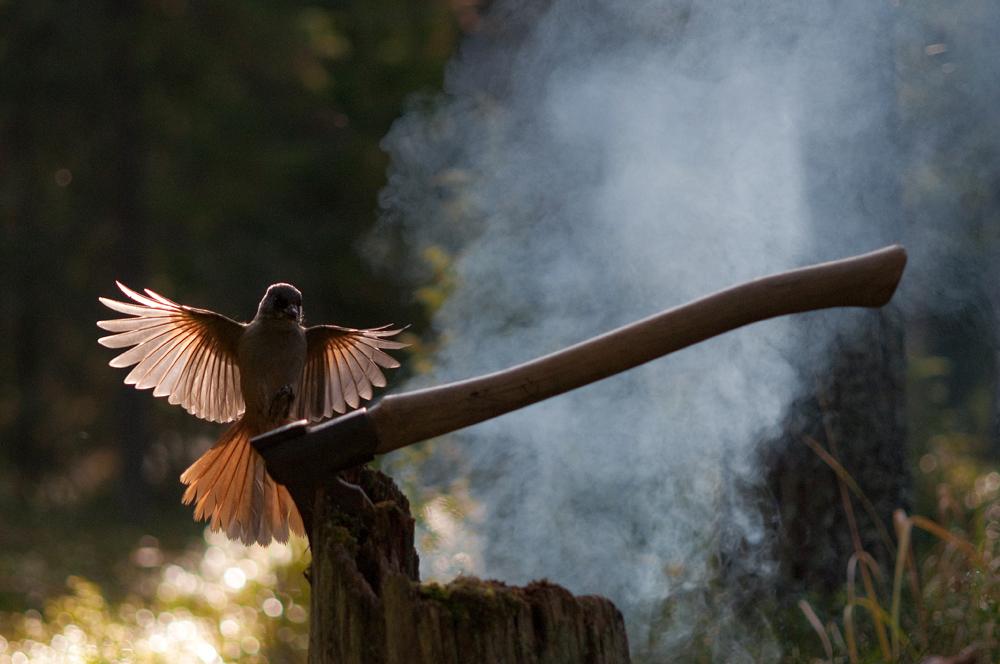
[(271, 355)]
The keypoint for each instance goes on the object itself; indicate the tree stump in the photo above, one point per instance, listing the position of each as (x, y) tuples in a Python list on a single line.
[(369, 607)]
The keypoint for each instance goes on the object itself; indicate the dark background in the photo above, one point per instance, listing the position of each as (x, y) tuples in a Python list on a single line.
[(204, 150)]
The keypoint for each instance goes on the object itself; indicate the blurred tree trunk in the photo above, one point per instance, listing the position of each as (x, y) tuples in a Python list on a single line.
[(26, 451), (369, 607), (856, 405), (127, 217), (28, 267), (855, 412)]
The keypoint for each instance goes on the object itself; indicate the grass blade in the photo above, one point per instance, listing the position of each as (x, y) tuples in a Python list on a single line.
[(818, 627), (903, 528)]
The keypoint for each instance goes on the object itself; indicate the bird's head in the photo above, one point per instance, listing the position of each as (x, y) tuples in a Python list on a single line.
[(281, 301)]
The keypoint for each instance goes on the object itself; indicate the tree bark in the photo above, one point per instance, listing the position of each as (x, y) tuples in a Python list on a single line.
[(368, 606)]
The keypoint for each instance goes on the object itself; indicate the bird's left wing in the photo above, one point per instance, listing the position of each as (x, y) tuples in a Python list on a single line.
[(342, 366), (185, 354)]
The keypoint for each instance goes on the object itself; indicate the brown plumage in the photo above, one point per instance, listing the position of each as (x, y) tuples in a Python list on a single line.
[(261, 374)]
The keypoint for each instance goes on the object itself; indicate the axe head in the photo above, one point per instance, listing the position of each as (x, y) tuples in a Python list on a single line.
[(298, 455)]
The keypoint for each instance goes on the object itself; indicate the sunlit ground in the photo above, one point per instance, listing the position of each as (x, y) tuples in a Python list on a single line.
[(220, 601)]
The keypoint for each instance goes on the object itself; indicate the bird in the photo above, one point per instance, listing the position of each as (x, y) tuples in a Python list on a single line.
[(258, 376)]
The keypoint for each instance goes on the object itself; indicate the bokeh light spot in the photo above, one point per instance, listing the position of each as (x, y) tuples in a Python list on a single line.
[(250, 645), (235, 578), (63, 177), (229, 627), (272, 607)]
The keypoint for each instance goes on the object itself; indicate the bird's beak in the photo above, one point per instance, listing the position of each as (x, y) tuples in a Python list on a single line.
[(293, 311)]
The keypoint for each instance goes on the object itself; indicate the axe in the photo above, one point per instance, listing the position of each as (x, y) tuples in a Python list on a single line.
[(304, 457)]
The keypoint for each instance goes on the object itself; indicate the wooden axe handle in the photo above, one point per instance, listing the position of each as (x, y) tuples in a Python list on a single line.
[(868, 280)]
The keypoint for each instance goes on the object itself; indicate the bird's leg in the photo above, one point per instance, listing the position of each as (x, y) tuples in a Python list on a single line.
[(281, 404)]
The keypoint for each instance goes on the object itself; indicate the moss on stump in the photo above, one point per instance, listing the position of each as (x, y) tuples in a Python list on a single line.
[(368, 606)]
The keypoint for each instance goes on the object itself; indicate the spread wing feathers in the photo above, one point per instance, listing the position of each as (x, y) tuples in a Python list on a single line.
[(185, 354), (230, 488), (342, 366)]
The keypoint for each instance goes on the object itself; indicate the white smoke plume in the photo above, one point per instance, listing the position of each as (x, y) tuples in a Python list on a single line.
[(593, 162)]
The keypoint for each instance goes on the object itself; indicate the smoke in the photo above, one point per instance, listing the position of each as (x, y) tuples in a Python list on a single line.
[(593, 162)]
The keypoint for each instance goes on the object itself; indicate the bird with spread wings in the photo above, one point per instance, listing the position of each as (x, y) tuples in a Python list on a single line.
[(258, 375)]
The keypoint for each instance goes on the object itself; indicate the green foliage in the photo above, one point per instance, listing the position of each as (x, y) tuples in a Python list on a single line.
[(218, 601)]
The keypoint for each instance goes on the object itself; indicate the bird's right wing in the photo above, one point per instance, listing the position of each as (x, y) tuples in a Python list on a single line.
[(342, 366), (185, 354)]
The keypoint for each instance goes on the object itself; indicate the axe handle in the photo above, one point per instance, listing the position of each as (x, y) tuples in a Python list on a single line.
[(868, 280)]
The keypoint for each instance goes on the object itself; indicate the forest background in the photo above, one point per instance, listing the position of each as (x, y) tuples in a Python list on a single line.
[(206, 150)]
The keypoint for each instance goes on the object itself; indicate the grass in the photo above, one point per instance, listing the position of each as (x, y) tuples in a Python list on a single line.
[(941, 598)]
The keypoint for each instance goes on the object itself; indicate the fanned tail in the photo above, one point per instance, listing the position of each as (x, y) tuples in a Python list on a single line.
[(230, 487)]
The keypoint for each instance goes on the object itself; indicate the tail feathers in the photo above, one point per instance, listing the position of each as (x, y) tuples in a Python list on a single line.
[(230, 488)]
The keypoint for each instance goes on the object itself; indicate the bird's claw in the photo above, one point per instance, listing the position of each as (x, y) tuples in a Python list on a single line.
[(281, 403), (351, 496)]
